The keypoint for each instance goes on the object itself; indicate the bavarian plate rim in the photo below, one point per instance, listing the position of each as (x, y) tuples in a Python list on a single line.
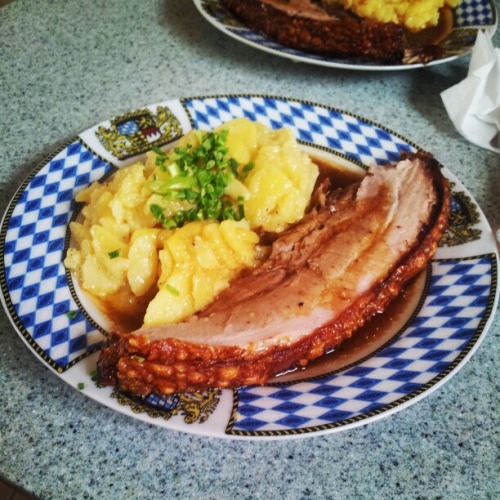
[(75, 372), (307, 58)]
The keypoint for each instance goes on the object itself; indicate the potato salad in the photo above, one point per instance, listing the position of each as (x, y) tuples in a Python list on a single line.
[(415, 15), (165, 236)]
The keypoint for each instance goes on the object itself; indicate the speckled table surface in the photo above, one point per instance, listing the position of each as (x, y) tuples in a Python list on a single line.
[(66, 65)]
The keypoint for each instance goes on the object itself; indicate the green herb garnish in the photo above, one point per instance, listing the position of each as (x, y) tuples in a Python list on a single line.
[(159, 151), (71, 314), (81, 386), (93, 375), (114, 254), (199, 175), (246, 170)]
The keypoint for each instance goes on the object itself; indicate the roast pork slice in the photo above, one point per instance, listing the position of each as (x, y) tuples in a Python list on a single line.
[(305, 25), (342, 264)]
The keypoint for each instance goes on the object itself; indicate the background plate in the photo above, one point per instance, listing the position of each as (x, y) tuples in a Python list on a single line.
[(58, 324), (469, 16)]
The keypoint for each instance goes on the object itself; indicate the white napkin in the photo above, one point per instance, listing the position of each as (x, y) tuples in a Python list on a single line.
[(473, 105)]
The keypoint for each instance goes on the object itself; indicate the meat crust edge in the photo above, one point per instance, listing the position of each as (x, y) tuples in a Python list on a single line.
[(139, 366), (345, 36)]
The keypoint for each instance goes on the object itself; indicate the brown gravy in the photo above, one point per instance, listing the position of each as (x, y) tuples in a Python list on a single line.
[(373, 335), (434, 34), (123, 322)]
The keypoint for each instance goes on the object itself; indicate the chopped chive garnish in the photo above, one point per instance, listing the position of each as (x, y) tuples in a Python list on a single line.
[(246, 170), (71, 314), (81, 386), (114, 254), (172, 290), (159, 151), (93, 375), (199, 175)]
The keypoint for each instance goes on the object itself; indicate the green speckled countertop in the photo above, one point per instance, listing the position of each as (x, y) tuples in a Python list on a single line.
[(67, 65)]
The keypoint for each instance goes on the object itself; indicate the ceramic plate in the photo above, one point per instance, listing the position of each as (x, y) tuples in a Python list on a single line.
[(443, 323), (468, 17)]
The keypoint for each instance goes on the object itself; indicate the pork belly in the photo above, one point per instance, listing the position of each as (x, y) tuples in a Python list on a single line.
[(325, 277)]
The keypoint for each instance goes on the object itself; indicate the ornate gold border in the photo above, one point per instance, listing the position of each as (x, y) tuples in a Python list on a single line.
[(195, 407), (461, 224), (139, 147)]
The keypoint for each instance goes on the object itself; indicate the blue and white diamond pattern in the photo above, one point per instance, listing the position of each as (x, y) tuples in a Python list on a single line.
[(450, 318), (127, 128), (474, 13), (256, 37), (35, 276), (361, 141), (163, 402)]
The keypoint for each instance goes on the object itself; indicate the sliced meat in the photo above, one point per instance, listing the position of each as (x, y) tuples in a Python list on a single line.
[(341, 265), (304, 25)]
